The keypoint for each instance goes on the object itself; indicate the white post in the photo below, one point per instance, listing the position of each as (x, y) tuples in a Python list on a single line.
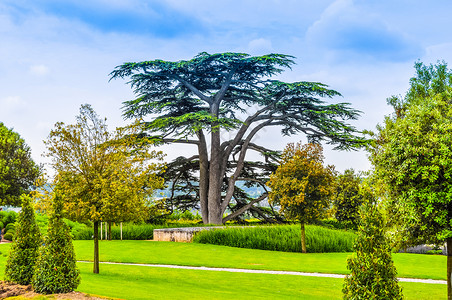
[(106, 235), (121, 230), (101, 232)]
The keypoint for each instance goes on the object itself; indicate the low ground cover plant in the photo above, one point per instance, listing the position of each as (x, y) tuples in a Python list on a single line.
[(280, 238)]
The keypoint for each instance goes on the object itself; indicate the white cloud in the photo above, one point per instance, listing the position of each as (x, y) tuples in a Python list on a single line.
[(260, 46), (39, 70)]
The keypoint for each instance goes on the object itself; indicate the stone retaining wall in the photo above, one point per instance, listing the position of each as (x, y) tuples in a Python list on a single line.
[(184, 234)]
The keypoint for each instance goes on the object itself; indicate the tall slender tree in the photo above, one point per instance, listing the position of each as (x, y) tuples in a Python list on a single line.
[(213, 96)]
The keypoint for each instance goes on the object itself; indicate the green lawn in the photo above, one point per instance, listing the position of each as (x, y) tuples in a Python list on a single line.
[(408, 265), (136, 282)]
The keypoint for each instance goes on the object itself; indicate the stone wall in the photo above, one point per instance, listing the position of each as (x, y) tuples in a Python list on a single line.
[(179, 234)]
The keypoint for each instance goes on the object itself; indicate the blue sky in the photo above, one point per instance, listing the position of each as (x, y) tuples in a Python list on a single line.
[(56, 54)]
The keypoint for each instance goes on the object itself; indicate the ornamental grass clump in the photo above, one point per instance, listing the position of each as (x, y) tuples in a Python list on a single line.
[(24, 249), (56, 270), (372, 271)]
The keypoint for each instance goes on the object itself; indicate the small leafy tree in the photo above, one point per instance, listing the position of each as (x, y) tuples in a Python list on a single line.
[(372, 271), (302, 185), (347, 198), (103, 176), (18, 171), (24, 250), (56, 270)]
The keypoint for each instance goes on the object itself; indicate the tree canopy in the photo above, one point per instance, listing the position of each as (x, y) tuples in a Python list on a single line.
[(219, 103), (18, 171), (413, 156), (347, 197), (102, 176), (301, 185)]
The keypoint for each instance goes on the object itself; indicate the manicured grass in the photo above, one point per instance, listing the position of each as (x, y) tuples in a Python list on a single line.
[(211, 256), (132, 282), (136, 282), (408, 265)]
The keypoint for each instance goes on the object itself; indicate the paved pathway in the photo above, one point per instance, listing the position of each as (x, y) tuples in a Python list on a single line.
[(433, 281)]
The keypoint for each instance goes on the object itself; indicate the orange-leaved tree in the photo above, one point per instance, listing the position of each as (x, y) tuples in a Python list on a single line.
[(302, 185)]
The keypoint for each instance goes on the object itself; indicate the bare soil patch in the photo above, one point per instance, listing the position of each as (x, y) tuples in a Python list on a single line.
[(8, 290)]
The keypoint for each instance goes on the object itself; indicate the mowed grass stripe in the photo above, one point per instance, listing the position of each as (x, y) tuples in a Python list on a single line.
[(133, 282), (188, 254)]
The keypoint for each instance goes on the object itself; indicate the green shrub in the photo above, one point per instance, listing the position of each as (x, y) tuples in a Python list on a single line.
[(279, 238), (3, 214), (56, 270), (9, 217), (24, 250), (1, 225), (372, 271), (434, 252), (10, 226), (8, 236), (186, 215)]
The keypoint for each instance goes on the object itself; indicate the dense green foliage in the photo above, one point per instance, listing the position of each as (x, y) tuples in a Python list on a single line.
[(279, 238), (347, 198), (56, 270), (7, 222), (24, 250), (208, 95), (18, 171), (412, 156), (373, 274)]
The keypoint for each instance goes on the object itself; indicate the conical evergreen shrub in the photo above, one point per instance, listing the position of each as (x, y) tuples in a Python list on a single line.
[(24, 249), (373, 274), (56, 270)]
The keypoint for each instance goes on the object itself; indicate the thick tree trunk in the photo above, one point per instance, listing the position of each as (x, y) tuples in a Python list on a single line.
[(303, 238), (203, 177), (215, 174), (449, 268), (214, 195), (96, 248)]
